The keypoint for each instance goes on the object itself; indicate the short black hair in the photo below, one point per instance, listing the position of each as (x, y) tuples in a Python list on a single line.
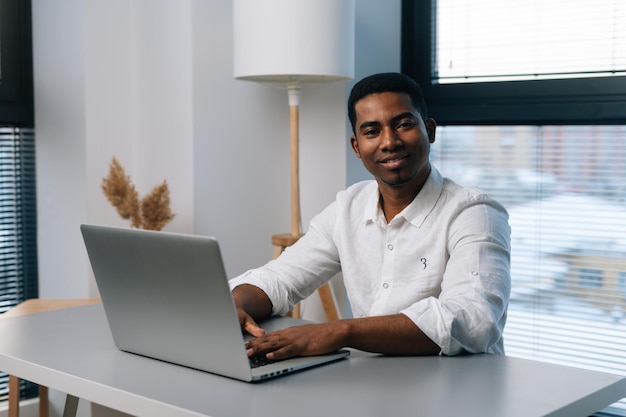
[(388, 82)]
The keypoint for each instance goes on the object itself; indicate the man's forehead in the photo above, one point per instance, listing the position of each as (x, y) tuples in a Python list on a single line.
[(374, 99), (395, 105)]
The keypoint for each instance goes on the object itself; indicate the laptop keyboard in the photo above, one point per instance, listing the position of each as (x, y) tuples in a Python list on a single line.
[(256, 361)]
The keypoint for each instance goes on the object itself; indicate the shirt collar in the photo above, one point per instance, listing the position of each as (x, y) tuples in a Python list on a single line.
[(372, 211), (424, 203), (416, 212)]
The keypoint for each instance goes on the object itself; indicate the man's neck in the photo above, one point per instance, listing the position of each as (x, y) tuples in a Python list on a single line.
[(393, 200)]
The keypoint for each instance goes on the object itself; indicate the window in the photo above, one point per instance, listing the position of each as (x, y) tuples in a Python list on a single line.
[(18, 270), (565, 190), (470, 55), (621, 282), (548, 139), (590, 278), (16, 74), (586, 39), (18, 246)]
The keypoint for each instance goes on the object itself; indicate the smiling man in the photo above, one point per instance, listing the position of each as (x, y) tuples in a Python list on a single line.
[(426, 262)]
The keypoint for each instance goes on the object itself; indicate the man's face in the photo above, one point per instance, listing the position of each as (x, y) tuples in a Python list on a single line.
[(392, 140)]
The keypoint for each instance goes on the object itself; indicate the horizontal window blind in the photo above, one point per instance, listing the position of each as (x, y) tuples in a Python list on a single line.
[(504, 40), (18, 249), (565, 190)]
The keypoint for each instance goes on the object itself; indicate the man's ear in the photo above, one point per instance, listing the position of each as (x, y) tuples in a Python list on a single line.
[(355, 146), (431, 127)]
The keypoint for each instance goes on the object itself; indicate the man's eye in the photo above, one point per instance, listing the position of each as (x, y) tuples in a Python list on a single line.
[(406, 124), (370, 132)]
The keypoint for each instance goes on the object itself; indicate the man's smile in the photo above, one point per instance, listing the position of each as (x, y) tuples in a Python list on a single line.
[(393, 162)]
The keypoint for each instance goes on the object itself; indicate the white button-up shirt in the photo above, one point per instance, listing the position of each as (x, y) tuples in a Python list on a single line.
[(444, 262)]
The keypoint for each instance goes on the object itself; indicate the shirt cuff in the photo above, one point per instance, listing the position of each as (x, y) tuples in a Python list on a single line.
[(272, 288), (435, 323)]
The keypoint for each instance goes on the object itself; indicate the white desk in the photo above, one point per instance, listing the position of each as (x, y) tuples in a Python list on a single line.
[(72, 351)]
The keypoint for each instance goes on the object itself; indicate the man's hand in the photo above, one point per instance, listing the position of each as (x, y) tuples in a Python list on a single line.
[(306, 340), (252, 304)]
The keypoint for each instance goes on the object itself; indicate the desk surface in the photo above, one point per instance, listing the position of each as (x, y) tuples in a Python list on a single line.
[(71, 350)]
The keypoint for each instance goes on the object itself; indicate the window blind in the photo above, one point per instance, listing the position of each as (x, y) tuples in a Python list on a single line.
[(18, 250), (504, 40), (565, 190)]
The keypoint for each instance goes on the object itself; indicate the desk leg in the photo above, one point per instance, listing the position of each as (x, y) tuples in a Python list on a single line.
[(43, 401), (71, 406), (14, 396)]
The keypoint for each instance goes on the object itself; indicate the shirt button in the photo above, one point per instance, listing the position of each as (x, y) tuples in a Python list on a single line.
[(390, 246), (475, 273), (385, 285)]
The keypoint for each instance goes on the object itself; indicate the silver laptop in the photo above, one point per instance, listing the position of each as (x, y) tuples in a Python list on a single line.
[(166, 296)]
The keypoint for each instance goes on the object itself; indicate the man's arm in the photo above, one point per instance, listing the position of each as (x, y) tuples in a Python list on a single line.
[(394, 334), (252, 304)]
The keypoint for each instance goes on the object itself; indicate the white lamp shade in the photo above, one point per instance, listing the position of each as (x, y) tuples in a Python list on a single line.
[(293, 40)]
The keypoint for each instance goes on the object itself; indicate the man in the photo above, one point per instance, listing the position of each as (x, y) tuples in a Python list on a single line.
[(426, 262)]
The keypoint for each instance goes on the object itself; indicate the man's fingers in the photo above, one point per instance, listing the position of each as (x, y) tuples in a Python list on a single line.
[(285, 352), (251, 327), (273, 346), (248, 324)]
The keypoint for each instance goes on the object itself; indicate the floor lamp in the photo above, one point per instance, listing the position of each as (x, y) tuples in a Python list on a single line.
[(290, 43)]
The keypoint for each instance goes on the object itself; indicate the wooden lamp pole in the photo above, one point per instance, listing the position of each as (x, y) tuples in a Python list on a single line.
[(281, 241)]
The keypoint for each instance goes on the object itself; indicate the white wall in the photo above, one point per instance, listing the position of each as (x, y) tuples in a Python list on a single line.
[(150, 82), (58, 49), (377, 49), (241, 147), (111, 79)]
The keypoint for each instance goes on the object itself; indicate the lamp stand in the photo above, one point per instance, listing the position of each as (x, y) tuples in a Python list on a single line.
[(293, 91), (281, 241)]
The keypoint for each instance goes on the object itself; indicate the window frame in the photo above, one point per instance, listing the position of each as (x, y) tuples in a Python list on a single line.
[(573, 101), (16, 69)]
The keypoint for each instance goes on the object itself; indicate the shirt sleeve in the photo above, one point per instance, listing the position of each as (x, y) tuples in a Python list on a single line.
[(470, 312), (300, 269)]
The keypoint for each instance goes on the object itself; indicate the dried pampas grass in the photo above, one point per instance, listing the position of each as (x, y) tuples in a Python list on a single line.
[(152, 212)]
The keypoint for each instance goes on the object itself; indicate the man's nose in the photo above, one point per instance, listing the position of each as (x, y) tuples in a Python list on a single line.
[(389, 139)]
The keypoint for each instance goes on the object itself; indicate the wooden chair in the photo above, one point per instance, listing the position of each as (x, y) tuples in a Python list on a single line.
[(36, 305)]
